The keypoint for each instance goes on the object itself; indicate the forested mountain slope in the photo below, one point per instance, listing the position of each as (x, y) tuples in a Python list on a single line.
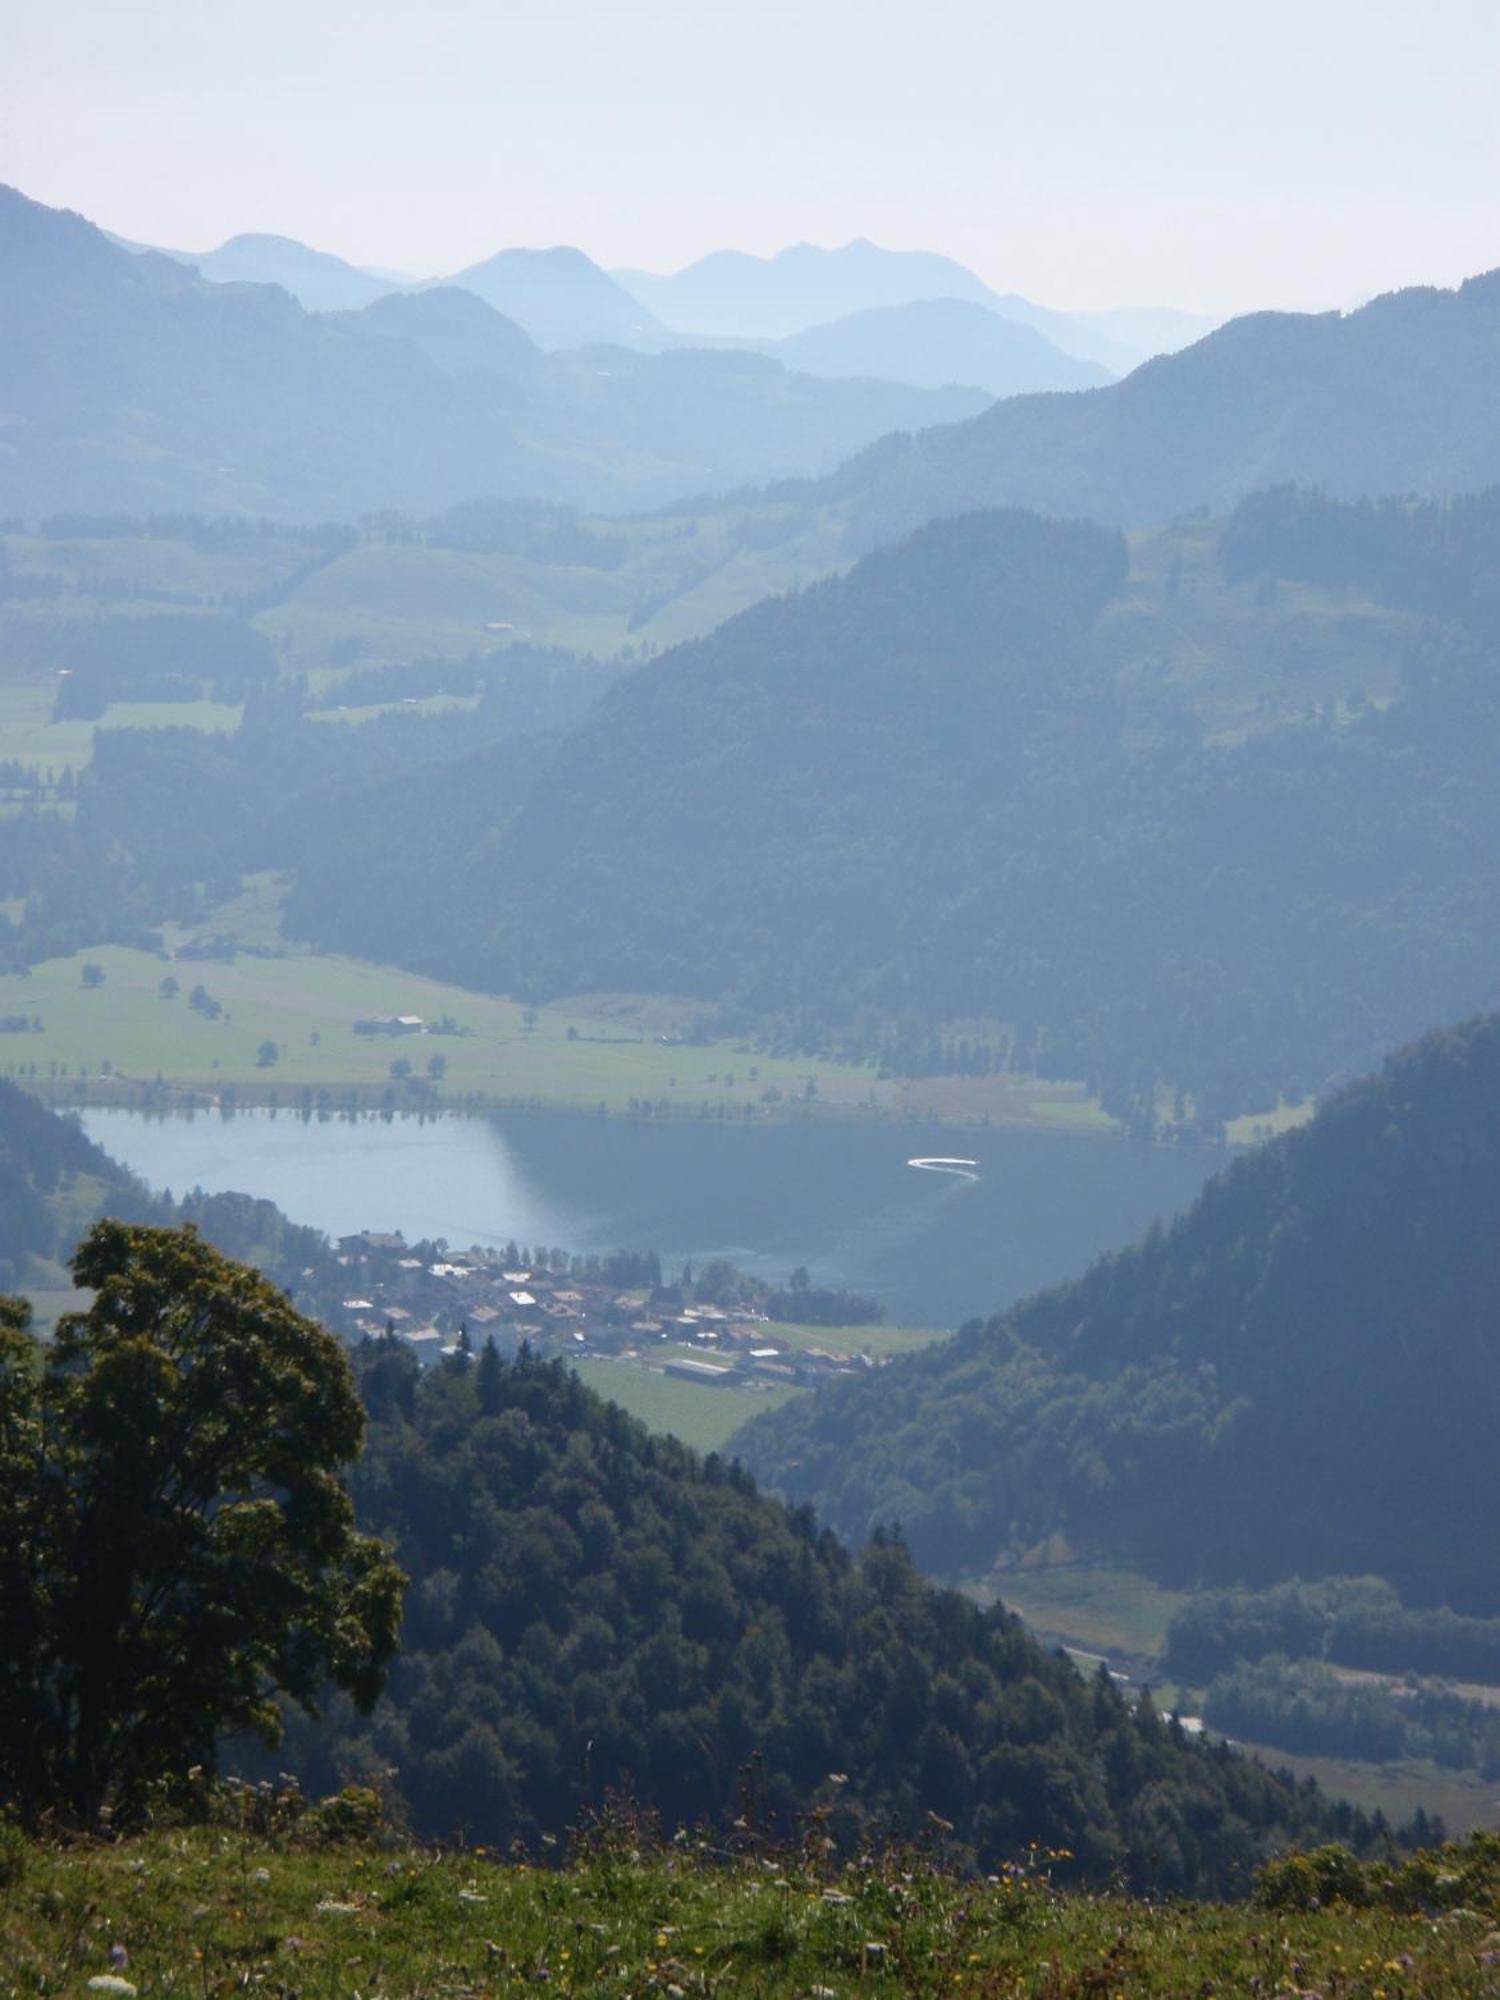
[(1299, 1377), (1231, 838), (131, 383), (595, 1610), (1402, 396)]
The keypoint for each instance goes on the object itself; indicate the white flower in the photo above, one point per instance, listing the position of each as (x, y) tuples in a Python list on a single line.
[(261, 1875), (329, 1909), (471, 1896), (109, 1982)]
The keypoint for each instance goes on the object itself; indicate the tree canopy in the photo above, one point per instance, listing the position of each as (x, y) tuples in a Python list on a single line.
[(177, 1547)]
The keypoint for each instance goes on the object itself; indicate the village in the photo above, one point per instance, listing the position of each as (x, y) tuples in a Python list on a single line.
[(714, 1330)]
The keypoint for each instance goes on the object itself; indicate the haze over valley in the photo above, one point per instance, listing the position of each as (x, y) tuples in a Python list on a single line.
[(750, 1007)]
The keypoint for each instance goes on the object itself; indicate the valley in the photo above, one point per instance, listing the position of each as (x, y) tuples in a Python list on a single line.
[(749, 1089)]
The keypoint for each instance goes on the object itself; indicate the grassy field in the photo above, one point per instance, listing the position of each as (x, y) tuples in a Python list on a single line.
[(877, 1339), (1095, 1609), (29, 736), (106, 1043), (199, 1912), (705, 1417), (1462, 1799)]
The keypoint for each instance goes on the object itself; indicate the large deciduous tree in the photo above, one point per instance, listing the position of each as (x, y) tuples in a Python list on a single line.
[(177, 1547)]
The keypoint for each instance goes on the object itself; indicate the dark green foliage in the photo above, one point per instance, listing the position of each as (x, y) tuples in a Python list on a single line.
[(39, 1154), (177, 1549), (1437, 557), (1304, 1706), (44, 1156), (1300, 1375), (161, 656), (1355, 1621), (597, 1610)]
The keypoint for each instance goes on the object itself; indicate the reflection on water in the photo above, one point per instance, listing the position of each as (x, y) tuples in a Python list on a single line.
[(936, 1247)]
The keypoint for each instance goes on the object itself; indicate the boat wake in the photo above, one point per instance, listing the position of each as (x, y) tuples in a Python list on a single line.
[(963, 1170)]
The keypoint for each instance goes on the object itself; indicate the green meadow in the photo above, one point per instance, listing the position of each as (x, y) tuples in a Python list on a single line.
[(107, 1042), (185, 1913)]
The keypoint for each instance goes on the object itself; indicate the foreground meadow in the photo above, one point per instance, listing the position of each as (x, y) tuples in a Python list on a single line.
[(218, 1910)]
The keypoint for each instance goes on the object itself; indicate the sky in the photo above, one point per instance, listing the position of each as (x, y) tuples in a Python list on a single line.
[(1166, 152)]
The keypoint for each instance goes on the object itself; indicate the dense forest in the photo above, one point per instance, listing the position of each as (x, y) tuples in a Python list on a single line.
[(1297, 1378), (597, 1611)]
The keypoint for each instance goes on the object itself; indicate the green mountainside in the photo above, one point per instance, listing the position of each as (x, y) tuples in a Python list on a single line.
[(132, 383), (1297, 1378), (1158, 828), (595, 1611)]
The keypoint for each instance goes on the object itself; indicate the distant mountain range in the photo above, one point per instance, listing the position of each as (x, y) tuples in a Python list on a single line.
[(317, 280), (936, 341), (735, 295), (130, 383), (564, 299)]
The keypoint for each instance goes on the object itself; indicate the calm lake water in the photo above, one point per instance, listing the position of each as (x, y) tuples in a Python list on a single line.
[(934, 1247)]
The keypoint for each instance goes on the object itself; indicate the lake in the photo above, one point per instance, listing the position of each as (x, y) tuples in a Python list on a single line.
[(936, 1247)]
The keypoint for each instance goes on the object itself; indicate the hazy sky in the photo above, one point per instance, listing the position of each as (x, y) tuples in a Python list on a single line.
[(1186, 152)]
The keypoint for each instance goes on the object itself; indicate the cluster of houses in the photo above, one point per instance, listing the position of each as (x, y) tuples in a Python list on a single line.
[(434, 1300)]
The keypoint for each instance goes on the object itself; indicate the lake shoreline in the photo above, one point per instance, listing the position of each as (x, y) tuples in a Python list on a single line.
[(339, 1100)]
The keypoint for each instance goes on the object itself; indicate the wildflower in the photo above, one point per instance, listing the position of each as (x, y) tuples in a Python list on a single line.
[(119, 1957), (328, 1908), (260, 1875), (837, 1898), (471, 1896), (107, 1982)]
